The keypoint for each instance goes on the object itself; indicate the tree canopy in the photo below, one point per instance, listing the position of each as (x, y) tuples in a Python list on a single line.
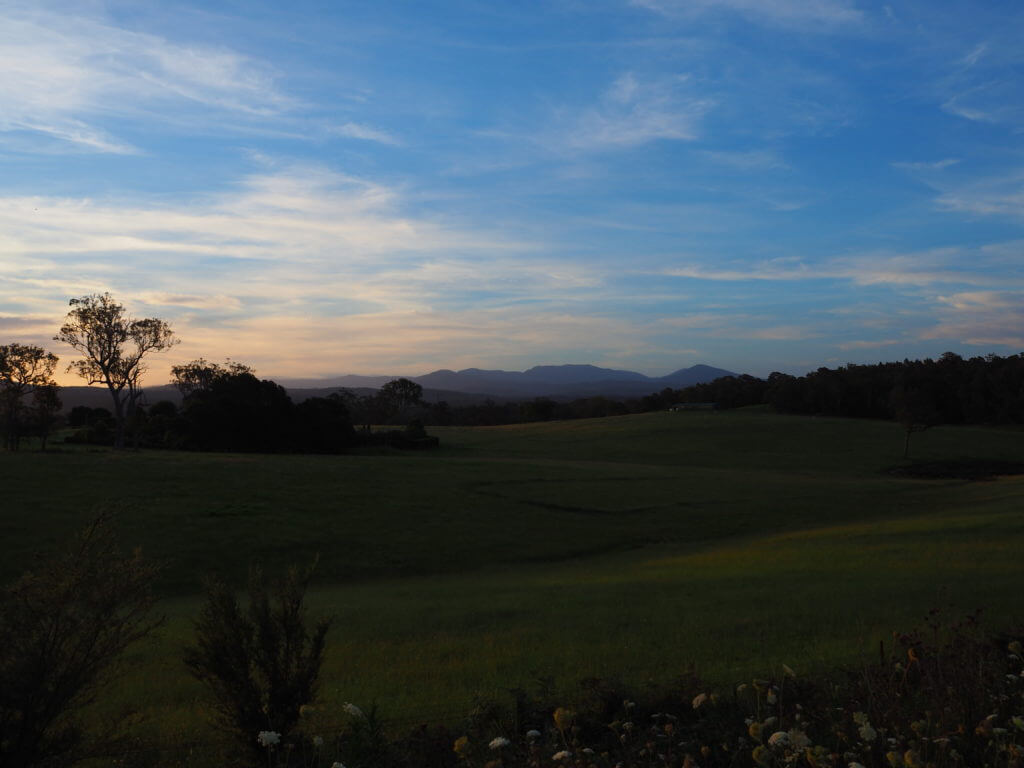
[(115, 347)]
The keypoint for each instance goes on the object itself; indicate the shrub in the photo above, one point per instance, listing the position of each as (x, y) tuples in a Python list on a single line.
[(261, 665), (63, 628)]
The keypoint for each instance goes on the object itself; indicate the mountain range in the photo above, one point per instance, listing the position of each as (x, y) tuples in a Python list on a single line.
[(559, 381), (469, 385)]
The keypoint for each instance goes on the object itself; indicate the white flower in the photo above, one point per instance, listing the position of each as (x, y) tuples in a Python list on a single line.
[(856, 765), (867, 732), (268, 738), (565, 754), (318, 741), (588, 751), (499, 742), (779, 739), (337, 765), (533, 734), (353, 710), (699, 699)]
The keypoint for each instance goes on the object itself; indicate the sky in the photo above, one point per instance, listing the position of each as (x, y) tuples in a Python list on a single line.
[(320, 188)]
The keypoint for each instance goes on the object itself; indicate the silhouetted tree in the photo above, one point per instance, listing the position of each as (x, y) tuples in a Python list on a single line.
[(200, 375), (238, 412), (397, 397), (914, 409), (46, 405), (115, 346), (323, 425), (23, 368)]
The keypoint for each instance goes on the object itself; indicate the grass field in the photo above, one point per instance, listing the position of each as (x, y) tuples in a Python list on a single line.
[(631, 547)]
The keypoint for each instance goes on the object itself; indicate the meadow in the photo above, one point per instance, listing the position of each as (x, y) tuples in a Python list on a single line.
[(636, 548)]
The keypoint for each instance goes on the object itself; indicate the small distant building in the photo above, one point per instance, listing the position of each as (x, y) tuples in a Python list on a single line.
[(693, 407)]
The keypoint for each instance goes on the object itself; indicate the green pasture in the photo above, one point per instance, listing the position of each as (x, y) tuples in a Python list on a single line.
[(634, 548)]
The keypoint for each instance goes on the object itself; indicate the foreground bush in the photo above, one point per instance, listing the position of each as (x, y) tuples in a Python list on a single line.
[(63, 628), (260, 665)]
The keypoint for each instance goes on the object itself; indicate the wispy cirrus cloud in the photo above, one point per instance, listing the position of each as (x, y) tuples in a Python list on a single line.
[(983, 85), (635, 111), (981, 318), (1001, 195), (964, 266), (296, 264), (72, 78), (935, 165), (365, 132)]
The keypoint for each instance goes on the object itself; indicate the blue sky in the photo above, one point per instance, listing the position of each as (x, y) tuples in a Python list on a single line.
[(395, 187)]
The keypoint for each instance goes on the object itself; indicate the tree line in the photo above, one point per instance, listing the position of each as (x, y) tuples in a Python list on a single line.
[(227, 407), (224, 406)]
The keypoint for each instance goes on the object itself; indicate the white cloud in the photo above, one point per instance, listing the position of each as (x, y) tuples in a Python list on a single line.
[(365, 132), (633, 112), (303, 271), (871, 343), (66, 76), (982, 318), (964, 266), (994, 196)]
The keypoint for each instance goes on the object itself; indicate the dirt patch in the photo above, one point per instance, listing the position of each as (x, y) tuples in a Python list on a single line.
[(958, 469)]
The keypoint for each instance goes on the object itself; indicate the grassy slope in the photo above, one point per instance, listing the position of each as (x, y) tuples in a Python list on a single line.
[(627, 547)]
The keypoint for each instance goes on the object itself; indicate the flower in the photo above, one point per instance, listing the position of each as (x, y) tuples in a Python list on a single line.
[(699, 699), (268, 738), (499, 742), (318, 741), (563, 718), (337, 765), (856, 765), (533, 734), (771, 698), (352, 710), (565, 754), (867, 732), (461, 747), (779, 739)]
